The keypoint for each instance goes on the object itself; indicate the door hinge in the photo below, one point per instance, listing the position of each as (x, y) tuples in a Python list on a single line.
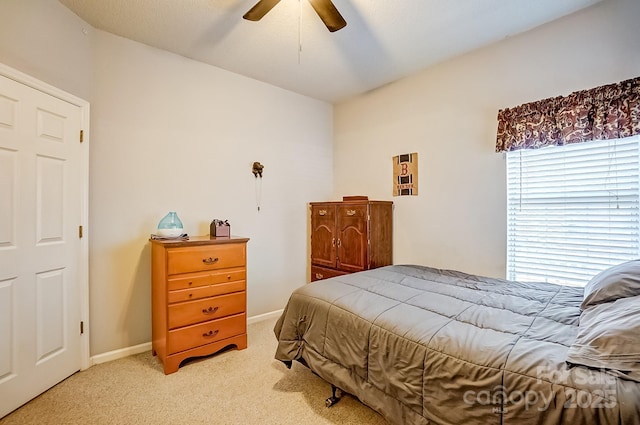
[(81, 327), (80, 232), (81, 136)]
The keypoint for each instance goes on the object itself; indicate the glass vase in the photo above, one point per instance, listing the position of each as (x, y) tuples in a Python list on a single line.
[(170, 225)]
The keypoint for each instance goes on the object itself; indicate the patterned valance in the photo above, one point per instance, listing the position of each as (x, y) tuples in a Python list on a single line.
[(607, 112)]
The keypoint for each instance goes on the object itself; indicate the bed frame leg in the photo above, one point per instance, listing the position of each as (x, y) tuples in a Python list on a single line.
[(336, 395)]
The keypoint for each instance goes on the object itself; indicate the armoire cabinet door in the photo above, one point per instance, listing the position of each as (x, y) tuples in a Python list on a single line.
[(323, 235), (352, 237)]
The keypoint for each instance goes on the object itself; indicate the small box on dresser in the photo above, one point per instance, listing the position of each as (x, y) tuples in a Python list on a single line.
[(198, 290)]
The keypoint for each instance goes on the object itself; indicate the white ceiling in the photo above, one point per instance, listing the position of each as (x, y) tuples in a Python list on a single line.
[(384, 40)]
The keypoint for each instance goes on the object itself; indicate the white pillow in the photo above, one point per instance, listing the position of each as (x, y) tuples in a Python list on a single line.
[(609, 337), (616, 282)]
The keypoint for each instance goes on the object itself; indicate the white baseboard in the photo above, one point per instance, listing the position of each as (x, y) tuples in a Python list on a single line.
[(141, 348), (120, 354), (265, 316)]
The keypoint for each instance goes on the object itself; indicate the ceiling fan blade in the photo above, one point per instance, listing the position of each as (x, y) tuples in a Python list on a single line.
[(260, 9), (329, 14)]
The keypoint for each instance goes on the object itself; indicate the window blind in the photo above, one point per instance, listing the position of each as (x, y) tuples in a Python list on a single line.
[(572, 210)]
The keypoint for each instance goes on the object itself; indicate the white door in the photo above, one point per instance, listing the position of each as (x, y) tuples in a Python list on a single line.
[(41, 184)]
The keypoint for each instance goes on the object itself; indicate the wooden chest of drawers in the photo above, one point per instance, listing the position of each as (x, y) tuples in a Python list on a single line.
[(198, 297)]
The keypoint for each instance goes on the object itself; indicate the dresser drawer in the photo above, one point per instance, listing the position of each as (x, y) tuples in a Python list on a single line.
[(190, 281), (190, 312), (206, 291), (210, 257), (194, 280), (228, 275), (205, 333)]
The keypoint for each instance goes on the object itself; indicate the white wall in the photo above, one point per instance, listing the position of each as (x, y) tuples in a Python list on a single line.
[(448, 115), (44, 39), (172, 134), (168, 133)]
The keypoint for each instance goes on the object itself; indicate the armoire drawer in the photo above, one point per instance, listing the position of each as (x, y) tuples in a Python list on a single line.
[(199, 258), (190, 312), (348, 210), (326, 213), (319, 273), (205, 333)]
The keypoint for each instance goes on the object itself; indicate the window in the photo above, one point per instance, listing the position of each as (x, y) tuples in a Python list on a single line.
[(572, 210)]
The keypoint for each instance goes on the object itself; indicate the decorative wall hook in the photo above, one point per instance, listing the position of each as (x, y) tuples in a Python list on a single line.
[(257, 172), (257, 169)]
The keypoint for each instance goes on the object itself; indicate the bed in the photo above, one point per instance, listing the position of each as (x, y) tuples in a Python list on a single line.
[(427, 346)]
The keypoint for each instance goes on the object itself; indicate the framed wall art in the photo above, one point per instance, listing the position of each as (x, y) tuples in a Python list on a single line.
[(405, 174)]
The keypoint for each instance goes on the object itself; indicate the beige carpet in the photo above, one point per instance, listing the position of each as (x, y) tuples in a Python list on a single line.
[(233, 387)]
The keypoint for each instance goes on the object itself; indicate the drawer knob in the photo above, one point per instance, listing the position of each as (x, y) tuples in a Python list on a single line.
[(319, 275), (210, 334), (209, 310), (210, 260)]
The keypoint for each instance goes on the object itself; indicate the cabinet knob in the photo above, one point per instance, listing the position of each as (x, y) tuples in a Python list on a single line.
[(210, 260), (210, 333), (228, 277), (351, 212), (322, 212), (319, 275)]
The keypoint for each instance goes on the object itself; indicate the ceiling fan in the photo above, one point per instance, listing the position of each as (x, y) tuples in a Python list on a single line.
[(325, 9)]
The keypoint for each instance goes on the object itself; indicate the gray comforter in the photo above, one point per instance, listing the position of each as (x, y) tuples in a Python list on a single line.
[(428, 346)]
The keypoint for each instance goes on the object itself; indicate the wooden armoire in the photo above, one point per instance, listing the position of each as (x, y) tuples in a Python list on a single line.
[(350, 236)]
